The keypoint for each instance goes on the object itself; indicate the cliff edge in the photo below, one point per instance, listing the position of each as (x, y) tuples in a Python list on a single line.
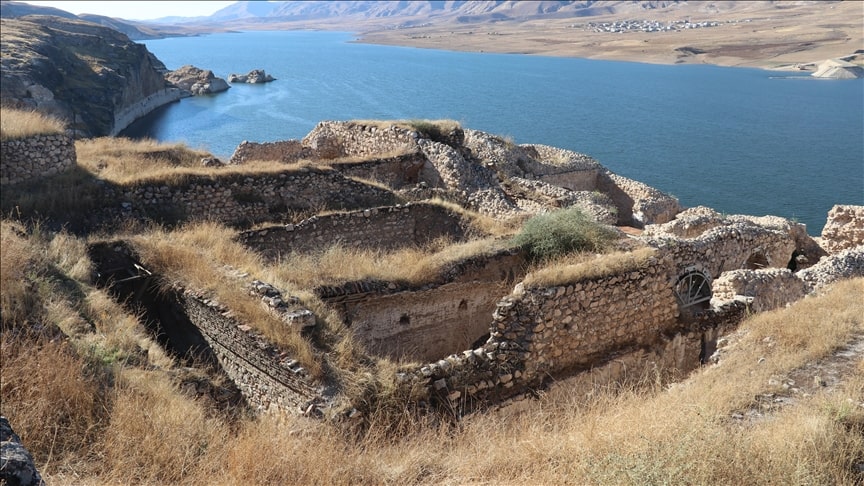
[(94, 78)]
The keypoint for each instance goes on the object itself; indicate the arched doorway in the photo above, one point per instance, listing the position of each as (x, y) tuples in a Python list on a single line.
[(693, 291)]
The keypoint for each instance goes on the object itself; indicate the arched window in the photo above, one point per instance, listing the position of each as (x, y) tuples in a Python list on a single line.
[(693, 290)]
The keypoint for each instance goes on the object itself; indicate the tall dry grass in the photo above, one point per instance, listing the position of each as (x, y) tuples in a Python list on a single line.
[(16, 124), (335, 265), (201, 257), (53, 399)]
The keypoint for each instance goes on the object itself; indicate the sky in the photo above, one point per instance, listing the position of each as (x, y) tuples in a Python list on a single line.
[(135, 10)]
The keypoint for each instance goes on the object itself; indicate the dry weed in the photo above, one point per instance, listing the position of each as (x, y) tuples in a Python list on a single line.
[(585, 266), (17, 124)]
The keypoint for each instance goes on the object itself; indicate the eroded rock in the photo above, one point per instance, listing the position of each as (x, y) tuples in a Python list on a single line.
[(197, 81)]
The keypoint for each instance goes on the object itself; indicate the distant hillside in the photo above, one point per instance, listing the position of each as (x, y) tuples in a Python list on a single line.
[(134, 30)]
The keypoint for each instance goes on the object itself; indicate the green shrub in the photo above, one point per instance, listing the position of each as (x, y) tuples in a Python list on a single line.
[(554, 234)]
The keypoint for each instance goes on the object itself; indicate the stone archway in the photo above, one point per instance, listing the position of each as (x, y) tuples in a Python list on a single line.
[(756, 261), (693, 291)]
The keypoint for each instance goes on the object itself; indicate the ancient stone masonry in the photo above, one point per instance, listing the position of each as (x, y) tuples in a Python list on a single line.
[(848, 263), (439, 318), (478, 170), (267, 377), (36, 157), (286, 151), (542, 333), (384, 228), (767, 288), (844, 228), (247, 199), (397, 172), (638, 204)]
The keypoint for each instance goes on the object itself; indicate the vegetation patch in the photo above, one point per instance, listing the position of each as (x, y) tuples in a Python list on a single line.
[(552, 235), (17, 124)]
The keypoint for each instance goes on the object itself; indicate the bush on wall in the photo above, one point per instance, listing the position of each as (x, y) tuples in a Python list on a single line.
[(554, 234)]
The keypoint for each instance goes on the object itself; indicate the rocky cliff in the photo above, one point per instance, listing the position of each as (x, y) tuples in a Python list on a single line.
[(93, 77)]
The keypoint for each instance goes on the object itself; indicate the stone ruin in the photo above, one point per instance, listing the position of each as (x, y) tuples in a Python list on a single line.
[(481, 333)]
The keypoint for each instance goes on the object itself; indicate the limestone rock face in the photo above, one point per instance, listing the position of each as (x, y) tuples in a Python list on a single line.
[(255, 76), (83, 73), (16, 463), (197, 81), (844, 228)]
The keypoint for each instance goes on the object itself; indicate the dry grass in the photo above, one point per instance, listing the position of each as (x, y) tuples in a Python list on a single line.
[(336, 264), (125, 161), (17, 299), (195, 256), (156, 434), (587, 266), (16, 124), (52, 402)]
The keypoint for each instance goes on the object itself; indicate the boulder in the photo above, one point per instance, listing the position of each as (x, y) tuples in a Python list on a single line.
[(16, 463), (196, 81), (255, 76)]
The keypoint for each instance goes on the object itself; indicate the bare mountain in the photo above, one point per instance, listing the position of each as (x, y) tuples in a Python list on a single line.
[(133, 30)]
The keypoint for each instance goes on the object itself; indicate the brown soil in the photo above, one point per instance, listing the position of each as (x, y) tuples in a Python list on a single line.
[(794, 35)]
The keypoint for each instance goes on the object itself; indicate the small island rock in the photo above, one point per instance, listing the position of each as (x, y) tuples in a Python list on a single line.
[(255, 76), (196, 81)]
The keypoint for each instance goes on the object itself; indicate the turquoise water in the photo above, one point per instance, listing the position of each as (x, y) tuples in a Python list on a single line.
[(739, 140)]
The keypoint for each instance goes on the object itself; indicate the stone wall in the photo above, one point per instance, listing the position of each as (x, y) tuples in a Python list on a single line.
[(330, 139), (638, 204), (385, 228), (476, 169), (35, 157), (844, 228), (433, 321), (396, 172), (267, 377), (847, 263), (768, 288), (548, 333), (723, 248), (247, 199), (286, 151)]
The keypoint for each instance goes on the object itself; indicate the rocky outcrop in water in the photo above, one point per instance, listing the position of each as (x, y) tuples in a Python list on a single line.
[(255, 76), (94, 78), (196, 81)]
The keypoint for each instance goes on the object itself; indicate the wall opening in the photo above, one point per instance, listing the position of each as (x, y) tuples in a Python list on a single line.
[(404, 320), (756, 261), (693, 292)]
